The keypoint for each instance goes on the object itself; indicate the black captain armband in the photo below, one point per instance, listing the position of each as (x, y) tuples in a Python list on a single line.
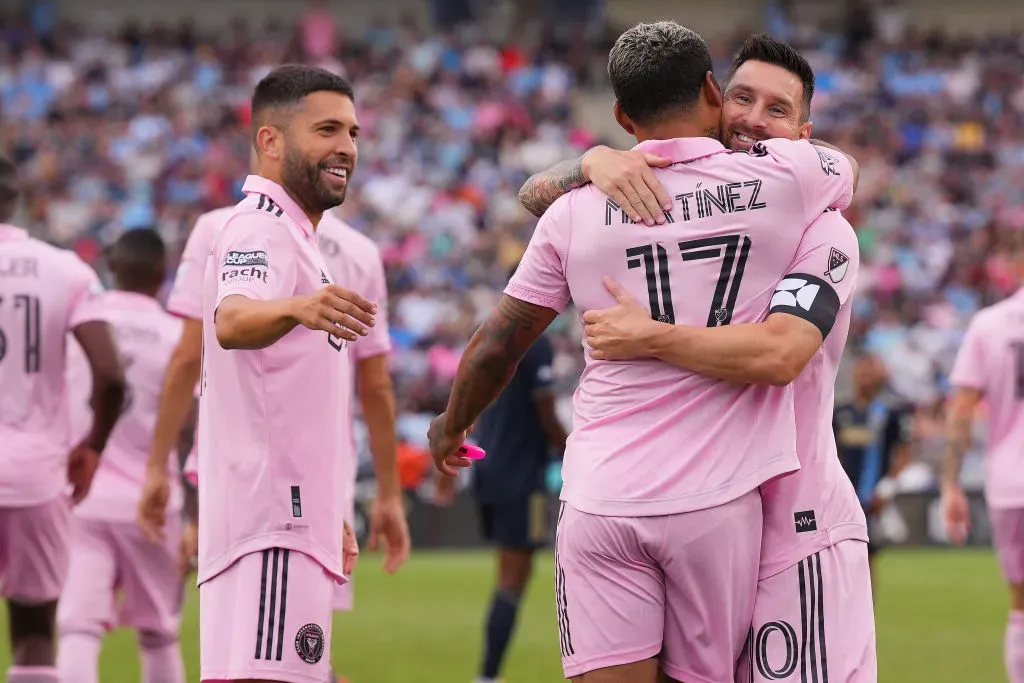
[(807, 297)]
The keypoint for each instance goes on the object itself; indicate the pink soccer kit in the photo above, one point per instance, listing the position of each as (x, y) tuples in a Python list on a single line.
[(354, 261), (272, 469), (44, 293), (991, 360), (186, 297), (814, 526), (651, 440), (117, 576)]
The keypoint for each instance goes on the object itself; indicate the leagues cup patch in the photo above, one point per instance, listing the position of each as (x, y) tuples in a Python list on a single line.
[(309, 643), (838, 263)]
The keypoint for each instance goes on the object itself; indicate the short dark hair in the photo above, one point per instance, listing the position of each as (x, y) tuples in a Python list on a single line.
[(761, 47), (138, 260), (658, 69), (9, 188), (286, 85)]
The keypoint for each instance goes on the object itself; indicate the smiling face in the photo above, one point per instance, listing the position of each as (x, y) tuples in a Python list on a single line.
[(763, 101), (316, 149)]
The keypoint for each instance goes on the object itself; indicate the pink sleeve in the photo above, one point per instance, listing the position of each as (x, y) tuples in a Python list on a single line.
[(540, 278), (86, 302), (969, 368), (186, 297), (823, 275), (377, 342), (255, 257), (824, 176)]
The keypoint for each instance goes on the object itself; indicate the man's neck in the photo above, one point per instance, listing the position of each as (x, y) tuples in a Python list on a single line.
[(314, 217), (669, 130), (864, 398)]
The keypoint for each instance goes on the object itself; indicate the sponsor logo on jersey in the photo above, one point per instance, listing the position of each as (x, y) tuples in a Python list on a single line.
[(829, 161), (805, 521)]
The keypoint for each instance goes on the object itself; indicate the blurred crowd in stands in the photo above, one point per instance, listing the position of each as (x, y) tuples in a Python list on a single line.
[(148, 127)]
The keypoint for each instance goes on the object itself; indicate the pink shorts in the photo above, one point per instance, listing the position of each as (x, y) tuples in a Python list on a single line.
[(112, 557), (627, 588), (267, 617), (34, 551), (814, 622), (1008, 538)]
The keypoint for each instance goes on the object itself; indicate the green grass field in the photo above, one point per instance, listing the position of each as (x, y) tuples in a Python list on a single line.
[(940, 620)]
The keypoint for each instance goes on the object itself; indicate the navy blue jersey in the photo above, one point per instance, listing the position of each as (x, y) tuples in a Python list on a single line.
[(866, 439), (511, 432)]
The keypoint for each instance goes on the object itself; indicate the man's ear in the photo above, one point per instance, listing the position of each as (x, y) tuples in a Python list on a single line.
[(622, 118)]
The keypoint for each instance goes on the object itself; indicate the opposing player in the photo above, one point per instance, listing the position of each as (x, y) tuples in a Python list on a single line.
[(990, 367), (108, 551), (813, 516), (45, 293), (271, 445), (355, 262), (629, 601)]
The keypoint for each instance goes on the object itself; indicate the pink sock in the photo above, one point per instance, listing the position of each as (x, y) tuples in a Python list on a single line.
[(32, 674), (78, 657), (1014, 653), (163, 664)]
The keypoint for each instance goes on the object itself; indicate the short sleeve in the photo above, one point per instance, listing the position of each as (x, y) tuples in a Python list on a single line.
[(539, 362), (86, 301), (824, 176), (824, 274), (255, 257), (377, 341), (969, 368), (186, 297), (540, 278)]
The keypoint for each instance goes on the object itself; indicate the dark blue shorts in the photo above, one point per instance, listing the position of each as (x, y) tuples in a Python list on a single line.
[(522, 523)]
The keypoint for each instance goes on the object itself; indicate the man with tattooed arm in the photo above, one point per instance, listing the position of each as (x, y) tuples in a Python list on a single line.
[(659, 452), (814, 561)]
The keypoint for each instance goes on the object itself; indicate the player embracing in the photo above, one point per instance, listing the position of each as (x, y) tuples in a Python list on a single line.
[(272, 436), (814, 574), (659, 536)]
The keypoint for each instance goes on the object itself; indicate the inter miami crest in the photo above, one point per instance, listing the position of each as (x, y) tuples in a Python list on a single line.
[(309, 643), (838, 263)]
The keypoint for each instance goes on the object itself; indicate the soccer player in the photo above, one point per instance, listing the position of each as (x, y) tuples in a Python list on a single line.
[(872, 432), (814, 529), (45, 293), (271, 445), (990, 367), (180, 383), (355, 262), (657, 452), (108, 550), (519, 431)]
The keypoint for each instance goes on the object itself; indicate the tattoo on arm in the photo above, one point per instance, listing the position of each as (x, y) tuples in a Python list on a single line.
[(958, 441), (542, 189), (491, 358)]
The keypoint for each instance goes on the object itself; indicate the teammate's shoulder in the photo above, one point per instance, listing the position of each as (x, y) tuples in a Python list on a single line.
[(335, 228)]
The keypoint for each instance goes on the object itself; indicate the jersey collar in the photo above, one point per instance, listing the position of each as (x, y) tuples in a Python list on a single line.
[(681, 150), (255, 184), (10, 233)]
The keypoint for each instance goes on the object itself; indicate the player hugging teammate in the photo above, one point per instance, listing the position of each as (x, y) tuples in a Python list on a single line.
[(701, 481)]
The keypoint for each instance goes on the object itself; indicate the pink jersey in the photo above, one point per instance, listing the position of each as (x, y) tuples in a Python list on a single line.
[(991, 360), (146, 336), (354, 261), (650, 438), (186, 297), (45, 292), (816, 507), (271, 435)]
